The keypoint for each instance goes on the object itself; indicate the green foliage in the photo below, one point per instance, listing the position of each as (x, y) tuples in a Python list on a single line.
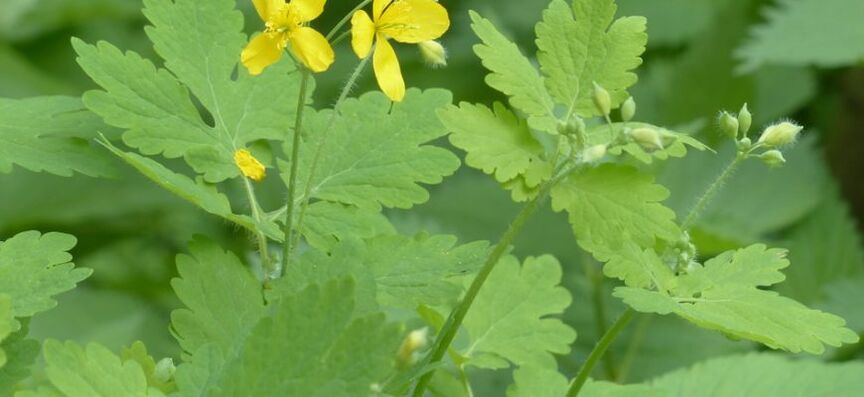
[(516, 297), (764, 375), (92, 371), (583, 45), (807, 32), (611, 204), (377, 153), (34, 267), (8, 324), (20, 353), (155, 107), (724, 295), (537, 382), (48, 134)]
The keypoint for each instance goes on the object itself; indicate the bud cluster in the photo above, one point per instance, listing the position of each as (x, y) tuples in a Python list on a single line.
[(772, 139)]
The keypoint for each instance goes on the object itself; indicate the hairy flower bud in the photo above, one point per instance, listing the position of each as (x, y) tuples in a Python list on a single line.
[(744, 144), (780, 134), (249, 165), (164, 370), (575, 126), (745, 119), (628, 109), (433, 53), (415, 341), (773, 158), (594, 153), (646, 137), (728, 125), (602, 100)]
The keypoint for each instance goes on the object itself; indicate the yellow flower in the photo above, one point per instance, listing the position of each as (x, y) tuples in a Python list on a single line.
[(286, 27), (249, 165), (406, 21)]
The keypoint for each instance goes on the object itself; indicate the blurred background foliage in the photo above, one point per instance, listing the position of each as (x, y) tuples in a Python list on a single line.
[(787, 58)]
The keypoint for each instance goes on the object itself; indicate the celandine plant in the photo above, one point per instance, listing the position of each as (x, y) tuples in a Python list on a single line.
[(336, 302)]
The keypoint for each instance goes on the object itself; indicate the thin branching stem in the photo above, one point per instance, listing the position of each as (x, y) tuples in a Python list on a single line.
[(288, 227), (451, 327), (319, 151), (345, 19), (266, 263), (711, 191), (598, 351)]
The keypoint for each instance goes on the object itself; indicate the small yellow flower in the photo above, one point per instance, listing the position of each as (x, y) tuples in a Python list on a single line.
[(285, 26), (406, 21), (249, 165)]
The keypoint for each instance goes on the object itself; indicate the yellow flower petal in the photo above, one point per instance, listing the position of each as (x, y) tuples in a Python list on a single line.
[(312, 49), (249, 165), (262, 51), (306, 10), (266, 7), (387, 70), (378, 7), (362, 33), (414, 21)]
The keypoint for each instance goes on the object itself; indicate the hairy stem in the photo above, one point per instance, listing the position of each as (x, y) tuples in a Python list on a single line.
[(266, 263), (319, 151), (598, 351), (711, 192), (451, 327), (288, 228)]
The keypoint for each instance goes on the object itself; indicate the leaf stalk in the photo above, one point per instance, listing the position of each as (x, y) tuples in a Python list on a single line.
[(598, 351)]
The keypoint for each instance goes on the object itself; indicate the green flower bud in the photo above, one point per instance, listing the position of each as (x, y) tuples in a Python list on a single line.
[(164, 370), (728, 125), (415, 341), (646, 137), (745, 119), (744, 144), (594, 153), (628, 109), (602, 100), (433, 53), (575, 126), (773, 158), (780, 134)]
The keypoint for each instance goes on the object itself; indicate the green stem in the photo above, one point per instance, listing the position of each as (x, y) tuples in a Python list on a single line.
[(598, 351), (266, 263), (288, 228), (634, 346), (451, 327), (711, 191), (319, 151), (346, 18)]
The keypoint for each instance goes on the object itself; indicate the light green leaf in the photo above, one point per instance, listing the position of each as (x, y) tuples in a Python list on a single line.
[(514, 299), (137, 352), (725, 295), (20, 353), (222, 299), (34, 267), (331, 353), (639, 267), (201, 46), (377, 153), (825, 33), (514, 75), (50, 134), (497, 142), (674, 143), (328, 223), (611, 204), (578, 47), (764, 375), (393, 271), (93, 372), (8, 324)]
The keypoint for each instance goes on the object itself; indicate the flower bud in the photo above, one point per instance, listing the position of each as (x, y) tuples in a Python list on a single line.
[(602, 100), (745, 119), (165, 369), (415, 341), (433, 53), (646, 137), (773, 158), (780, 134), (249, 165), (628, 109), (575, 126), (744, 144), (594, 153), (728, 125)]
